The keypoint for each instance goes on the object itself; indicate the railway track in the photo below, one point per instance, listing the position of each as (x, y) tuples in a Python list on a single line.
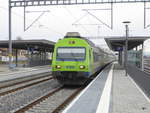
[(24, 95), (10, 88), (32, 94), (53, 102), (17, 81), (67, 101)]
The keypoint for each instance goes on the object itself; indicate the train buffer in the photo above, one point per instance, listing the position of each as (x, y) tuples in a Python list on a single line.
[(111, 92)]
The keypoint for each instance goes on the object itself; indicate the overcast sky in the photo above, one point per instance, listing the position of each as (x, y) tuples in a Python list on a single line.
[(54, 24)]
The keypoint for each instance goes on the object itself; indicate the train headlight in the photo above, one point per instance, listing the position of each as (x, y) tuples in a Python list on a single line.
[(58, 67), (82, 67)]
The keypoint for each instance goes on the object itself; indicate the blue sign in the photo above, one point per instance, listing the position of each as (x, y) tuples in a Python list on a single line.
[(119, 49)]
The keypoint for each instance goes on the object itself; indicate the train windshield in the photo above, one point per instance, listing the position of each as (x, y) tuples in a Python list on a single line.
[(71, 53)]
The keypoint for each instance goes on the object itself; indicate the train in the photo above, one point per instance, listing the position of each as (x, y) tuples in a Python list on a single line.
[(76, 59)]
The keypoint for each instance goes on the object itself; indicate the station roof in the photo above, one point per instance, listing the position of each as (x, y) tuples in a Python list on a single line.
[(39, 45), (116, 43)]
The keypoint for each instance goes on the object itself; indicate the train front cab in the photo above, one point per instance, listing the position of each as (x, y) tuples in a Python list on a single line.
[(73, 69)]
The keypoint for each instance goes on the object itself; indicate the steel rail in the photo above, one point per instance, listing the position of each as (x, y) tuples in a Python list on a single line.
[(25, 86), (27, 107), (67, 101), (23, 81)]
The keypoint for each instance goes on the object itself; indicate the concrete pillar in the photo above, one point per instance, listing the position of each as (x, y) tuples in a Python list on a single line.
[(16, 61), (123, 56), (41, 57), (45, 57), (120, 57), (28, 56), (142, 59)]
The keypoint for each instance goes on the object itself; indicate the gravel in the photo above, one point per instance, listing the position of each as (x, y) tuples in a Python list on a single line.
[(51, 103), (11, 102), (16, 80), (22, 84)]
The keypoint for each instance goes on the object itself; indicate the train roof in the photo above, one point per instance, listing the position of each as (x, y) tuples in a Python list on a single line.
[(72, 34), (77, 35)]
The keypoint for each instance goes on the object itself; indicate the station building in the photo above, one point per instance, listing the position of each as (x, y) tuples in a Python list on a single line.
[(135, 54), (28, 53)]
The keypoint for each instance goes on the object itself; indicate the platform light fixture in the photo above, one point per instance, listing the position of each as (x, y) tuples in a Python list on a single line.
[(126, 45)]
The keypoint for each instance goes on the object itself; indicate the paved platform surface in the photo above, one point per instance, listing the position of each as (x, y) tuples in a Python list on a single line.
[(7, 74), (126, 97), (4, 69), (111, 92)]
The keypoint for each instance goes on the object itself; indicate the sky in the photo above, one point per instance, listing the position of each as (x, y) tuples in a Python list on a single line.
[(54, 24)]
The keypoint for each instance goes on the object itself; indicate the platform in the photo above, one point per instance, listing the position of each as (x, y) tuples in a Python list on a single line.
[(6, 74), (111, 92)]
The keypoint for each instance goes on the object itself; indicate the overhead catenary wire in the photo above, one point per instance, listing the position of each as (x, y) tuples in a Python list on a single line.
[(58, 18), (16, 14), (22, 17), (75, 19), (51, 29)]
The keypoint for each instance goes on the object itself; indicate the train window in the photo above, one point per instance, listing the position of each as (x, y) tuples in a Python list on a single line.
[(99, 57), (71, 53), (95, 57)]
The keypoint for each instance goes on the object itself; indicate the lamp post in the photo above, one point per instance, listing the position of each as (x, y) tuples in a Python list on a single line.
[(126, 45), (10, 41)]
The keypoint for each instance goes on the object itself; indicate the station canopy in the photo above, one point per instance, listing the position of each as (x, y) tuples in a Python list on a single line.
[(116, 43), (39, 45)]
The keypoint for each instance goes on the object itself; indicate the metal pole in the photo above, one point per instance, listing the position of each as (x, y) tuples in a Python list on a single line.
[(144, 15), (126, 49), (16, 57), (126, 45), (10, 41), (24, 17), (111, 15)]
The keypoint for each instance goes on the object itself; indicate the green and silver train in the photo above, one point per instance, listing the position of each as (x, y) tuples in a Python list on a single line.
[(76, 59)]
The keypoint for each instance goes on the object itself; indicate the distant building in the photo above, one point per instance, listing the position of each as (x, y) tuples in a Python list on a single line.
[(22, 55)]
